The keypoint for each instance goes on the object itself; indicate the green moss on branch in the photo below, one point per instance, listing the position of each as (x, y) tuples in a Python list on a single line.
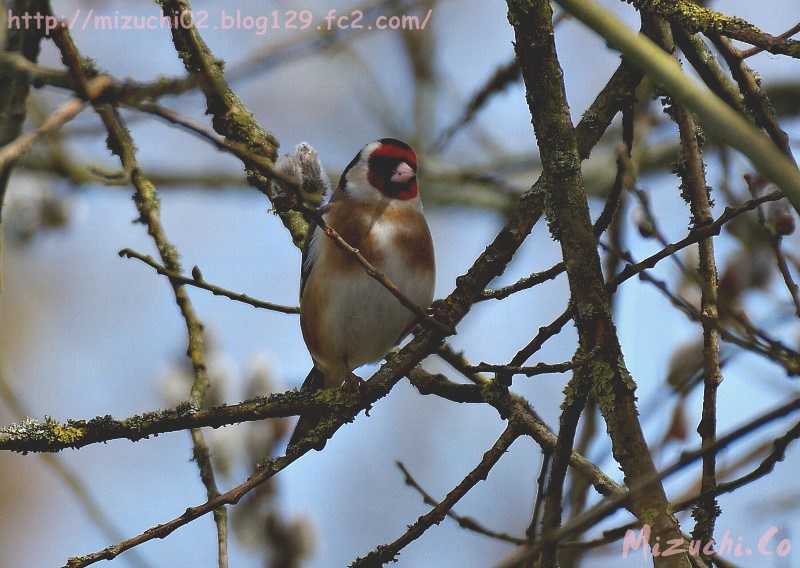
[(695, 18)]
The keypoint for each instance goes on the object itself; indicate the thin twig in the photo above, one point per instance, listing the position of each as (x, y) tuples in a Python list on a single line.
[(523, 284), (536, 515), (696, 235), (775, 351), (503, 76), (241, 151), (600, 226), (538, 369), (198, 281), (766, 466), (756, 50), (546, 332), (267, 470), (388, 552), (467, 523)]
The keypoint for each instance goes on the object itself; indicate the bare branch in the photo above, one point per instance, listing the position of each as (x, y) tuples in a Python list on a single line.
[(388, 552), (467, 523), (198, 281), (538, 369)]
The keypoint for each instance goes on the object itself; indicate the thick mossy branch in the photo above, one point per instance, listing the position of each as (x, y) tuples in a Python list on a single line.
[(612, 386), (50, 435), (696, 18), (230, 117)]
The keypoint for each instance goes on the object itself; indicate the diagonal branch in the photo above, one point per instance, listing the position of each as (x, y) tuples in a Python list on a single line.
[(785, 35), (12, 151), (388, 552), (467, 523), (610, 504)]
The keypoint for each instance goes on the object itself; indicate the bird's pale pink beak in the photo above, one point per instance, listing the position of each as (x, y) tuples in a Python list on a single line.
[(403, 174)]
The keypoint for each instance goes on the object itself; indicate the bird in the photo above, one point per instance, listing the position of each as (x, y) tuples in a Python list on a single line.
[(347, 317)]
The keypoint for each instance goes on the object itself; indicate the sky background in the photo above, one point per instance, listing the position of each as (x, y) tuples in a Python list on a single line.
[(85, 333)]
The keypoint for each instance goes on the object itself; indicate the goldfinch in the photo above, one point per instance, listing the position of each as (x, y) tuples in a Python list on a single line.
[(347, 317)]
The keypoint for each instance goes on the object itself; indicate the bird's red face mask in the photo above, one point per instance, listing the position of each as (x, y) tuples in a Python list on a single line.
[(393, 170)]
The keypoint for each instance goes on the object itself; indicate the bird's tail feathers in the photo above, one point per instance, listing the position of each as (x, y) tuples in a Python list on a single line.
[(310, 420)]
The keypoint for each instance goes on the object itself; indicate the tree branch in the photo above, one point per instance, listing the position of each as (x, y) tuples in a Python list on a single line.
[(611, 384), (723, 122), (467, 523), (198, 281), (612, 503), (230, 117), (695, 18), (388, 552)]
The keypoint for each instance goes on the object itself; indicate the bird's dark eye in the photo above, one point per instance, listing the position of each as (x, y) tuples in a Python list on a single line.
[(383, 166)]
